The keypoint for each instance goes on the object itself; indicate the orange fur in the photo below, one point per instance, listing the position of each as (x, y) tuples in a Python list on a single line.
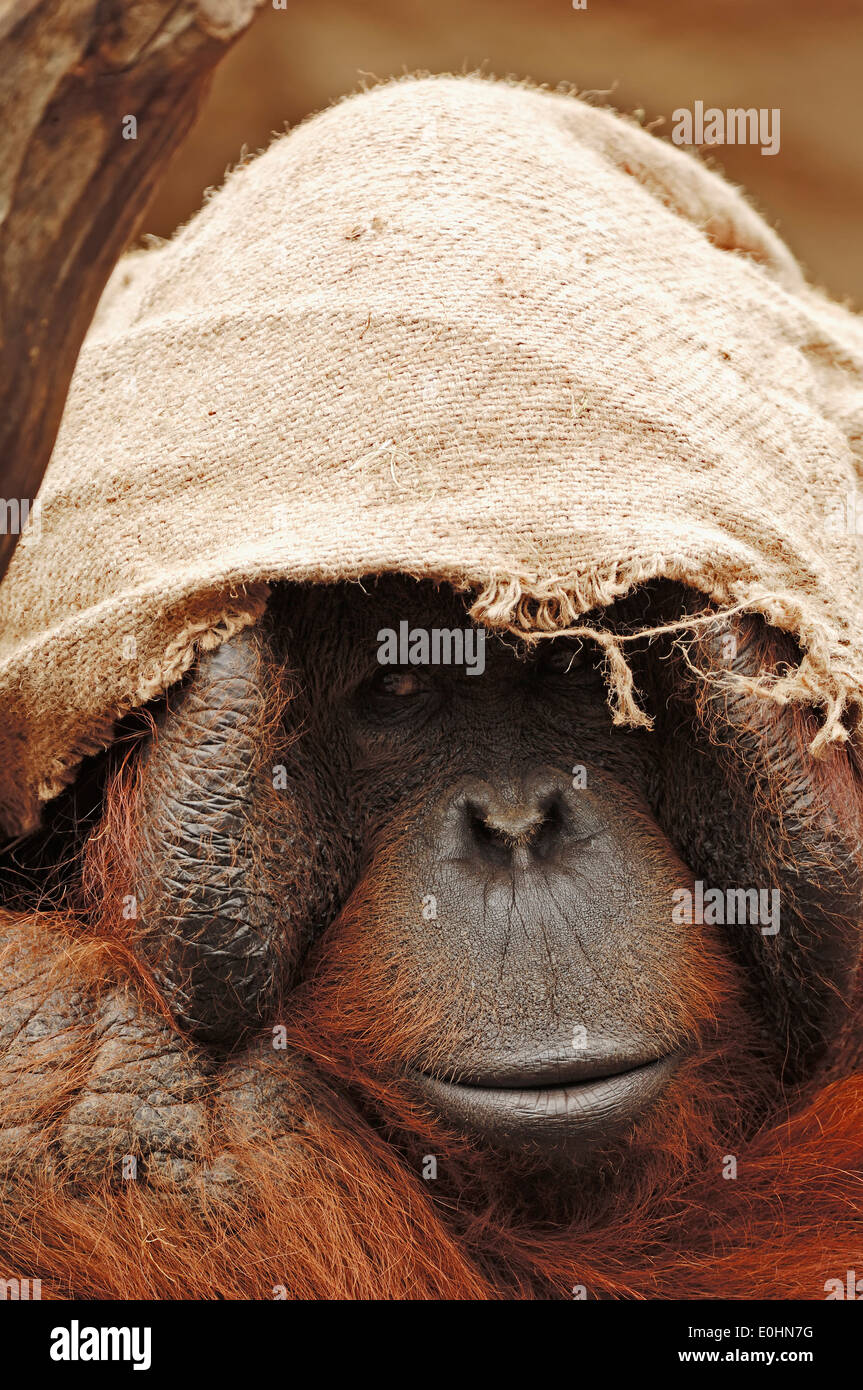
[(316, 1186), (333, 1206)]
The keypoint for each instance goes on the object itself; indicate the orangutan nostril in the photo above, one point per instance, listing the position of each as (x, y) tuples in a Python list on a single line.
[(497, 829)]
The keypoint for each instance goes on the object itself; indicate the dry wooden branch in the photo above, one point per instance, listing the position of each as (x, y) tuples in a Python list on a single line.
[(76, 174)]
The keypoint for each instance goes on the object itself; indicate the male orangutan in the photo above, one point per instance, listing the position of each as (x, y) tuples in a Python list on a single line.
[(430, 721), (342, 979)]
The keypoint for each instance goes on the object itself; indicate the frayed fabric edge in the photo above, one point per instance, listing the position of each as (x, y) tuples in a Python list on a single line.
[(532, 610), (823, 678)]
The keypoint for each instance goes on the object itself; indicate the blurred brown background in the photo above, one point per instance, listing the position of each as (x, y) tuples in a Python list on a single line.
[(804, 56)]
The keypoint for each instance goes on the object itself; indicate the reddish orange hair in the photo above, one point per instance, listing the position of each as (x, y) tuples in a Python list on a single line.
[(325, 1197)]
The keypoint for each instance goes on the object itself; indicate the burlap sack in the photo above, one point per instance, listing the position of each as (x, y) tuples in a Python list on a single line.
[(453, 327)]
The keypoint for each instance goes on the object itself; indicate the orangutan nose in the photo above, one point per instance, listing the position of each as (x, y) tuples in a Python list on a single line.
[(518, 823)]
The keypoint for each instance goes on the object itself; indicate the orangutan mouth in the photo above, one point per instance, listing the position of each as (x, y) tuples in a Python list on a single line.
[(569, 1104)]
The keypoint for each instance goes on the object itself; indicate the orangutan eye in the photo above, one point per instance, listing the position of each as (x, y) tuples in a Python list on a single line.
[(396, 695), (561, 658), (400, 684)]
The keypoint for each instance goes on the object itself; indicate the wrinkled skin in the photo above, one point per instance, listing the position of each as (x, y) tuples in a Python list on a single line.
[(529, 989)]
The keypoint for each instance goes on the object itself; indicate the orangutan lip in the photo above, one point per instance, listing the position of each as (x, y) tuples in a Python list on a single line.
[(555, 1072), (581, 1109)]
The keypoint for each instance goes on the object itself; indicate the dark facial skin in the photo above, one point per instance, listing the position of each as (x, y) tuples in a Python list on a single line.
[(545, 901), (522, 852), (497, 860)]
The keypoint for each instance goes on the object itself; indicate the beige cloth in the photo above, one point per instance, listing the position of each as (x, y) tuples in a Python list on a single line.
[(458, 328)]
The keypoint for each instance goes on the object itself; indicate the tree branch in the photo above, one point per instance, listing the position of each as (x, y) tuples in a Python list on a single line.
[(76, 175)]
